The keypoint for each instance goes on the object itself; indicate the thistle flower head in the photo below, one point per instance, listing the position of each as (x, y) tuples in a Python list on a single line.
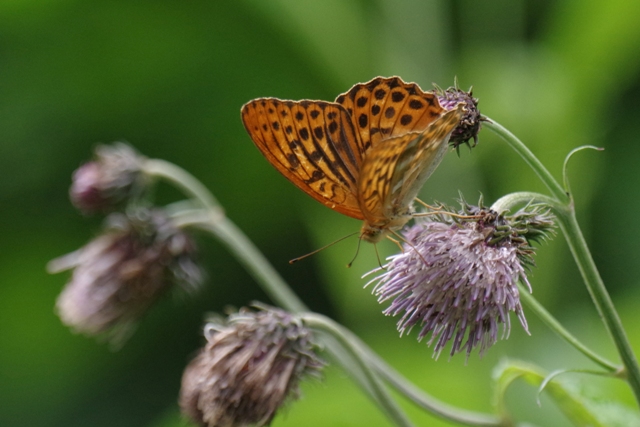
[(107, 181), (120, 273), (470, 124), (457, 277), (249, 367)]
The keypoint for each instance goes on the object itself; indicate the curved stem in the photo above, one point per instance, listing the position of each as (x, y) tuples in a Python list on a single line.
[(555, 326), (255, 263), (535, 164), (601, 299), (419, 397), (322, 323), (181, 178)]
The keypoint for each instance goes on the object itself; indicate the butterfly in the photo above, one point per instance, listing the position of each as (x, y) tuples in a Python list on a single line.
[(366, 155)]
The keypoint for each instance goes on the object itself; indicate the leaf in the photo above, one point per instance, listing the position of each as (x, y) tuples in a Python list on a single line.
[(582, 410)]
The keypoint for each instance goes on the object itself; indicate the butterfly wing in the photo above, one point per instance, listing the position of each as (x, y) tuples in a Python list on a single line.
[(313, 144), (388, 107), (395, 169)]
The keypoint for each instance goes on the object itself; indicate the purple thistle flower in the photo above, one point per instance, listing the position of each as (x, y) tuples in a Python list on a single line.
[(458, 278), (250, 366), (110, 179), (120, 273)]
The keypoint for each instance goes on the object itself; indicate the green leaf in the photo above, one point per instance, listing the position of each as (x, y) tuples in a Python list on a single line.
[(582, 410)]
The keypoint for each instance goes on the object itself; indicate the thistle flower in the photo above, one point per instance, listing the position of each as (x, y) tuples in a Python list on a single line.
[(120, 273), (250, 365), (470, 123), (458, 277), (110, 179)]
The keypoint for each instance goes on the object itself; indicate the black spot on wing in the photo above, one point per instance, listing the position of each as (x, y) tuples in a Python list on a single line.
[(390, 112), (406, 119), (362, 120)]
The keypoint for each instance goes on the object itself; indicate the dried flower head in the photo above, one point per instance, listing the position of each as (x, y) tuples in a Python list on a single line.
[(458, 277), (249, 367), (470, 123), (120, 273), (104, 183)]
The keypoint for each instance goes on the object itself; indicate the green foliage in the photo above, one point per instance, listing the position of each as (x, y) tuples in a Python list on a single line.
[(574, 400)]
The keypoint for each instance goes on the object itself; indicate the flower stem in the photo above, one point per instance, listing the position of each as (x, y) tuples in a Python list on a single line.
[(564, 210), (556, 190), (212, 220), (419, 397), (182, 179), (322, 323), (555, 326), (601, 299)]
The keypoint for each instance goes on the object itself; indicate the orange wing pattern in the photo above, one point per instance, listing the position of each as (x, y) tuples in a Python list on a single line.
[(387, 107), (395, 169), (366, 156), (313, 144)]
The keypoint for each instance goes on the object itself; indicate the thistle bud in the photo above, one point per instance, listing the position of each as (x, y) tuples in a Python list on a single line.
[(120, 273), (457, 277), (104, 183), (470, 124), (252, 363)]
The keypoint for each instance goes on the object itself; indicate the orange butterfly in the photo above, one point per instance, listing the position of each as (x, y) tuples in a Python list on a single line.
[(366, 155)]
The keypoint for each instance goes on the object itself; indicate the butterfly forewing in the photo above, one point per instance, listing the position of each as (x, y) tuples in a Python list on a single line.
[(313, 144), (395, 169), (387, 107)]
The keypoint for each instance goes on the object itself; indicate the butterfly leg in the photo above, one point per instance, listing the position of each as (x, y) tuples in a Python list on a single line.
[(396, 242), (408, 243), (428, 206)]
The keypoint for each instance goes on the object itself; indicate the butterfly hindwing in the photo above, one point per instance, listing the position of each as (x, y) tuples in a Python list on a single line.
[(388, 107), (395, 169), (313, 144)]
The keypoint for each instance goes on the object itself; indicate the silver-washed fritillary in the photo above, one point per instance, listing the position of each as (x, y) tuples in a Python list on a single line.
[(366, 155)]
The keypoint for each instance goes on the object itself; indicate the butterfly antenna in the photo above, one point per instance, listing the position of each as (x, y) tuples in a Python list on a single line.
[(410, 244), (375, 246), (356, 255), (324, 247)]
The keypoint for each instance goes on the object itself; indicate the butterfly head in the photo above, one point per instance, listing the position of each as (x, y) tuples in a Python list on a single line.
[(470, 124)]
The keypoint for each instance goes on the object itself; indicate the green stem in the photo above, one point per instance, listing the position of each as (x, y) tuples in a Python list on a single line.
[(564, 210), (601, 299), (508, 202), (419, 397), (535, 164), (182, 179), (555, 326), (322, 323), (256, 264), (213, 220)]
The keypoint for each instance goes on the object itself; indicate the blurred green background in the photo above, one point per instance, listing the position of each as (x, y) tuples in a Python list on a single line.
[(170, 78)]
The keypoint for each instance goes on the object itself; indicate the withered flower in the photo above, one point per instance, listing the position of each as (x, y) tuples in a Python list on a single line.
[(252, 363), (119, 274), (109, 180)]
